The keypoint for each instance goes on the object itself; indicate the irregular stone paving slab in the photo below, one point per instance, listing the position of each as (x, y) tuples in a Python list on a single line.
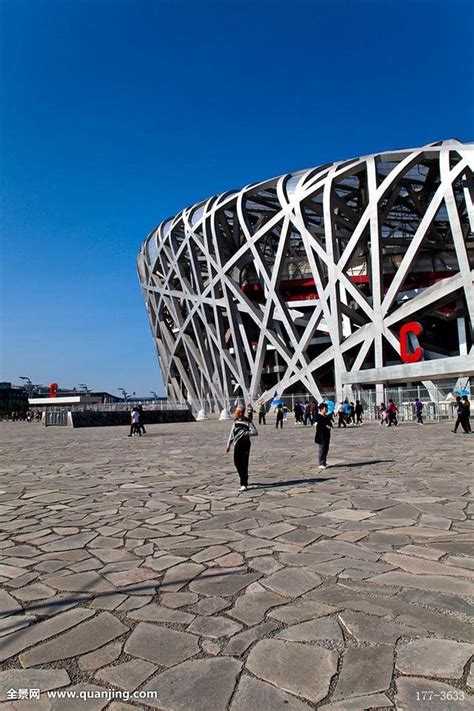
[(292, 582), (241, 642), (15, 622), (86, 637), (132, 577), (412, 564), (438, 600), (323, 628), (359, 703), (127, 676), (66, 543), (100, 657), (210, 553), (417, 693), (37, 591), (80, 582), (293, 667), (422, 552), (265, 564), (214, 627), (300, 611), (200, 685), (175, 600), (255, 694), (209, 606), (440, 658), (161, 645), (16, 642), (252, 607), (107, 602), (222, 584), (8, 604), (44, 679), (365, 670), (272, 531), (180, 575), (163, 562), (365, 628), (435, 583), (156, 613)]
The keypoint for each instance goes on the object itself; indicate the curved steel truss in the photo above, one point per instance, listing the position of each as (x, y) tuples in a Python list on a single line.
[(303, 282)]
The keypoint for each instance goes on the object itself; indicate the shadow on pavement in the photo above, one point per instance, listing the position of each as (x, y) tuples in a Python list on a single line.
[(360, 464), (289, 482)]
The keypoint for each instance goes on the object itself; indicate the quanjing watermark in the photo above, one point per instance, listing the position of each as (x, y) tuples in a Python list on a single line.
[(82, 694)]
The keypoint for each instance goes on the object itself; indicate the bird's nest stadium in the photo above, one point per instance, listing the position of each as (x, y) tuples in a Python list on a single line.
[(357, 273)]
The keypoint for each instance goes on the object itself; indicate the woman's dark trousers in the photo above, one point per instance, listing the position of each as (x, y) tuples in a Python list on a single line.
[(261, 418), (279, 421), (342, 420), (241, 459)]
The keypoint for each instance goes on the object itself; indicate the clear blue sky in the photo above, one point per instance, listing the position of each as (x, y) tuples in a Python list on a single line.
[(115, 115)]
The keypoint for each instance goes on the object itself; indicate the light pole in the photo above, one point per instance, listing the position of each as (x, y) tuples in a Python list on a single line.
[(124, 393), (154, 394), (83, 387)]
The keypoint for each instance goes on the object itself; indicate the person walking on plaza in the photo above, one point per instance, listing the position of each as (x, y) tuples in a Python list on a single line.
[(467, 412), (461, 416), (340, 415), (359, 410), (135, 423), (392, 411), (307, 414), (419, 411), (250, 411), (383, 413), (141, 426), (279, 415), (262, 412), (297, 411), (314, 411), (240, 434), (323, 434)]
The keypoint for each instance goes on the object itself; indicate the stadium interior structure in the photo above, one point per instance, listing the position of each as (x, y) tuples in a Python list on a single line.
[(301, 283)]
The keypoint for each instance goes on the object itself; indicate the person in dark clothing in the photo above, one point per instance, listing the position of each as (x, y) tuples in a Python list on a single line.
[(392, 413), (341, 415), (323, 433), (358, 412), (262, 413), (314, 411), (419, 411), (240, 434), (141, 426), (307, 414), (461, 416), (467, 412), (279, 416)]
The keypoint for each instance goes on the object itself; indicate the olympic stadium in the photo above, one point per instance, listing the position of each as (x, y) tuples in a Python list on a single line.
[(357, 273)]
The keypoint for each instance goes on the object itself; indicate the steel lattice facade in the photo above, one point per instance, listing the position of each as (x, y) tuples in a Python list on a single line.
[(302, 283)]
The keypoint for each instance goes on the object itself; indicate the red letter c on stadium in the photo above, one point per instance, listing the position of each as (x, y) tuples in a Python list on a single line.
[(408, 354)]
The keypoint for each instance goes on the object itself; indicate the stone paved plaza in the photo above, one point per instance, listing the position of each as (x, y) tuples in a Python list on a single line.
[(137, 565)]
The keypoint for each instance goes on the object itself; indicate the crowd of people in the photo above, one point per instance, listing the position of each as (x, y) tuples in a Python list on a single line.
[(25, 416), (320, 416)]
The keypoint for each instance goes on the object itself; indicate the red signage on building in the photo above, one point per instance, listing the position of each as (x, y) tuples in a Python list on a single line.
[(410, 354), (53, 390)]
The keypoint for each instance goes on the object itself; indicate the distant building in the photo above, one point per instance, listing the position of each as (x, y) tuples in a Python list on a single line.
[(13, 398)]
